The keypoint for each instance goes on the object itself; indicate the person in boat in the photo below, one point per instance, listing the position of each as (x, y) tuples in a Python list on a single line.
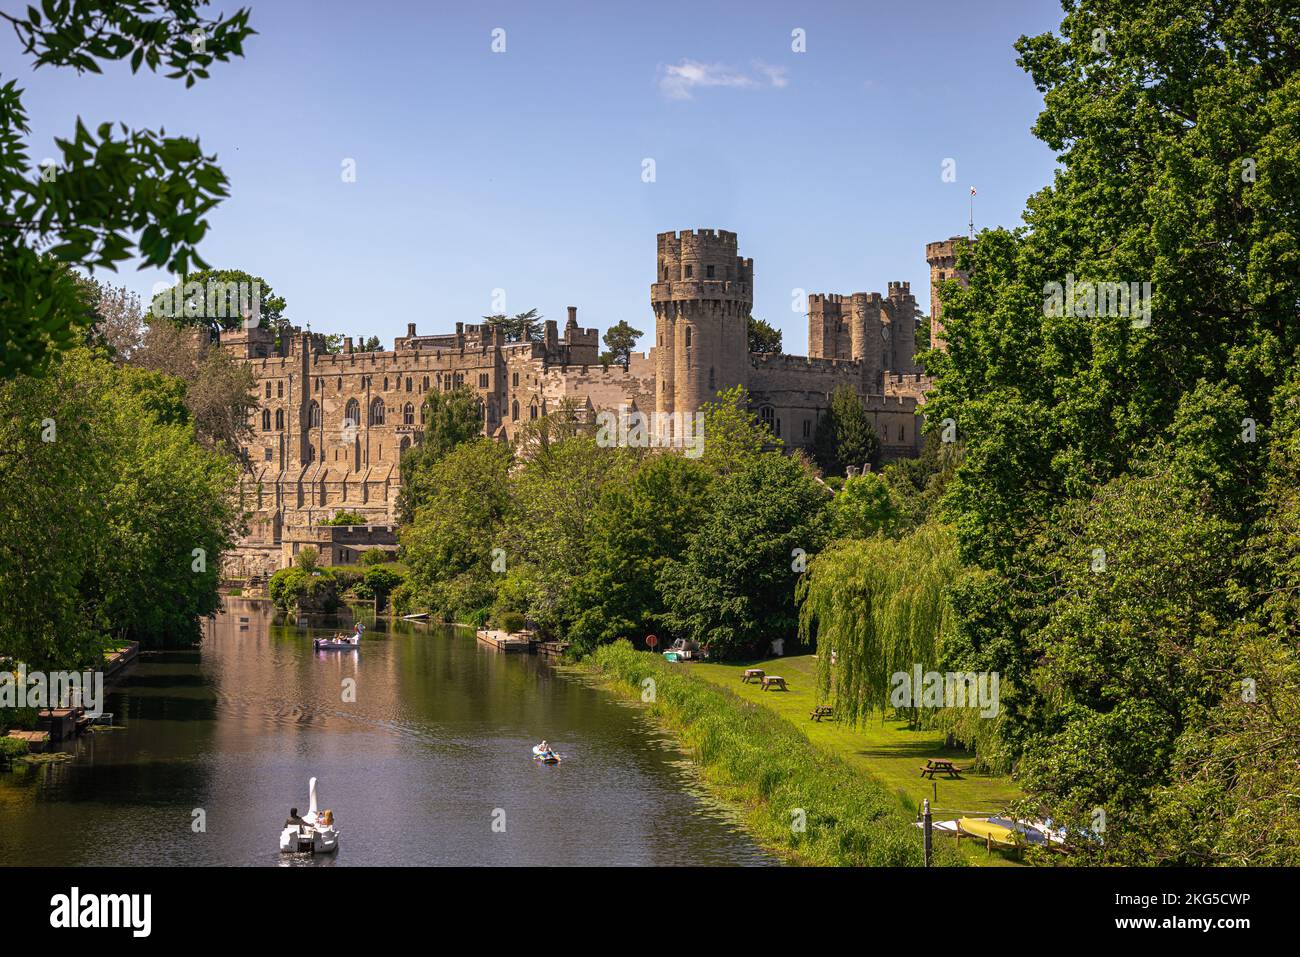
[(545, 749), (294, 819)]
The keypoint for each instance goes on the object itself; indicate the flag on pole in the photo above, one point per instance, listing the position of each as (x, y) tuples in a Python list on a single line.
[(972, 190)]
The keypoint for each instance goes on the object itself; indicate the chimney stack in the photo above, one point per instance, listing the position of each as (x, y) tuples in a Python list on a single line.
[(347, 345), (573, 315)]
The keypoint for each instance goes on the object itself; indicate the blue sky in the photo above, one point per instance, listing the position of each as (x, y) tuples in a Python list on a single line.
[(522, 170)]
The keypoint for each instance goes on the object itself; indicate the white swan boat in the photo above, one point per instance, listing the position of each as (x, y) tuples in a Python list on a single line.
[(316, 835)]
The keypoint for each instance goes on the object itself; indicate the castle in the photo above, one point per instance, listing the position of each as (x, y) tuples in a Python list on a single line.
[(332, 427)]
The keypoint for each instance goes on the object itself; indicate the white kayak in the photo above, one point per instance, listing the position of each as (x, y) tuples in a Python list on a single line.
[(316, 835)]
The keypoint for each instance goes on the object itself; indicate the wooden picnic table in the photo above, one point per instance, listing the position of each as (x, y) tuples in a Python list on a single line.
[(935, 766), (774, 681), (822, 711), (750, 674)]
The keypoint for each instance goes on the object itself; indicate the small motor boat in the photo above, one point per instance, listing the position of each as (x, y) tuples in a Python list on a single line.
[(546, 757), (316, 835)]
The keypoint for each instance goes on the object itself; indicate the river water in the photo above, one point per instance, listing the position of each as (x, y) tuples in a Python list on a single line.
[(429, 765)]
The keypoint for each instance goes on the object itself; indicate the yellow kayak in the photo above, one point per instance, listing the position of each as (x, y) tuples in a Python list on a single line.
[(984, 829)]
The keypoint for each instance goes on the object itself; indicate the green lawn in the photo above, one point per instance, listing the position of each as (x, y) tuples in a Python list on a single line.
[(886, 749)]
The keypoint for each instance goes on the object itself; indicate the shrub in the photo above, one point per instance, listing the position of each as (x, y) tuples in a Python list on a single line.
[(12, 748), (345, 518), (374, 556), (293, 589), (308, 559), (510, 621)]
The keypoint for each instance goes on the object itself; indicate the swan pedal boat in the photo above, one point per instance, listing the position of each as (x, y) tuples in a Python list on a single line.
[(317, 836), (337, 643), (540, 755)]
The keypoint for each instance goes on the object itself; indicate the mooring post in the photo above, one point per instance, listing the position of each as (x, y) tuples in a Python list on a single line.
[(925, 818)]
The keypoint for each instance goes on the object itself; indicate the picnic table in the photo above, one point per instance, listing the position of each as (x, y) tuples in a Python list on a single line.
[(935, 766), (774, 681), (822, 711), (750, 674)]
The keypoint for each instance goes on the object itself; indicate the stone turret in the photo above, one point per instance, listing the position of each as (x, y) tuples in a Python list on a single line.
[(702, 298), (942, 257)]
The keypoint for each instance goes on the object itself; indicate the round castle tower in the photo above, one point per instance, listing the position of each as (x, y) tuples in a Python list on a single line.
[(942, 257), (702, 297)]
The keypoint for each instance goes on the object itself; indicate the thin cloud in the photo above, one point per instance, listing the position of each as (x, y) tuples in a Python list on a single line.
[(680, 81)]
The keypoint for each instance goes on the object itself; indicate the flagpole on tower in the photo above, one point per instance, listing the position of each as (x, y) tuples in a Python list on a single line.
[(972, 214)]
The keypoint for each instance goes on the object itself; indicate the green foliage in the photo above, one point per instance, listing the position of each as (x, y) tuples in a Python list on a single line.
[(877, 607), (733, 589), (308, 559), (113, 514), (12, 748), (761, 763), (863, 507), (521, 327), (638, 527), (510, 621), (448, 547), (220, 299), (374, 556), (619, 339), (763, 337), (342, 517), (845, 436), (108, 198), (451, 418), (733, 436), (296, 589), (378, 582)]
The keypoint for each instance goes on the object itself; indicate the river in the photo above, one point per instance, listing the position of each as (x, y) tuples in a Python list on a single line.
[(429, 765)]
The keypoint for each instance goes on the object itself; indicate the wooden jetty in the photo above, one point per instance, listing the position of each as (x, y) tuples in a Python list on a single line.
[(116, 660), (506, 641), (551, 649), (37, 741)]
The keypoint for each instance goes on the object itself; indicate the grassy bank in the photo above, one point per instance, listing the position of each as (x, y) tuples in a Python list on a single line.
[(761, 763)]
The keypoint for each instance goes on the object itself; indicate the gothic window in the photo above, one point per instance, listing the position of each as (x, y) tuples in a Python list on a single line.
[(279, 390), (266, 420), (408, 383), (408, 414), (279, 420), (532, 410), (268, 388), (482, 380), (426, 383), (460, 379), (514, 381), (313, 415), (377, 412), (352, 414), (688, 337)]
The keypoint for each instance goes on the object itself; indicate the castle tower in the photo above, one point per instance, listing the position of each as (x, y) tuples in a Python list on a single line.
[(902, 335), (702, 297), (942, 257)]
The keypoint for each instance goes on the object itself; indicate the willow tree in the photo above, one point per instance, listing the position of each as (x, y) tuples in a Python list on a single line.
[(877, 607)]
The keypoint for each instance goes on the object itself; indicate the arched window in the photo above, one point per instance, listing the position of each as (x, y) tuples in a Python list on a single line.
[(406, 444), (377, 412), (268, 388), (426, 383), (266, 420), (313, 415), (688, 337), (279, 420), (279, 390), (532, 410), (514, 409), (385, 383), (408, 414), (408, 383), (352, 414)]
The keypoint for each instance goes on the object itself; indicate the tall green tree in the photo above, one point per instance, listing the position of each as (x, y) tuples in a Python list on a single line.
[(844, 435), (764, 337), (451, 418), (220, 299), (620, 339), (108, 197), (733, 588)]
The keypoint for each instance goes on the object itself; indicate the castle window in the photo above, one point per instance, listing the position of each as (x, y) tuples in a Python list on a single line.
[(884, 433), (460, 379), (279, 390), (385, 383), (688, 271), (269, 454), (408, 414), (313, 415), (768, 416), (426, 383), (266, 420), (406, 444), (688, 337), (514, 381), (708, 272), (901, 429), (279, 420), (352, 414), (514, 409), (482, 380), (408, 383), (338, 386), (712, 380), (268, 388), (377, 412), (532, 410), (807, 428)]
